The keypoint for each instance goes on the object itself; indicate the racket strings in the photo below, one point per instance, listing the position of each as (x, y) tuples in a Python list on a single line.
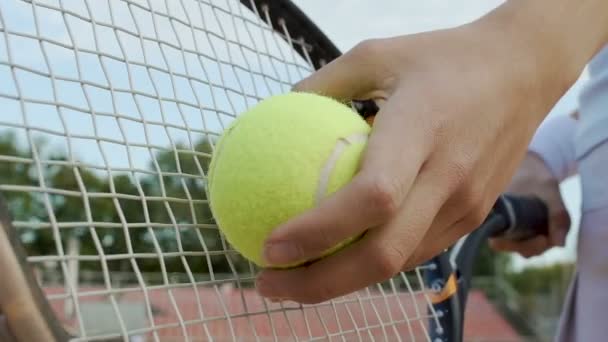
[(111, 111)]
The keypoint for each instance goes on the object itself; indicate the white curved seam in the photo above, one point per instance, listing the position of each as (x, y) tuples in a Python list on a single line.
[(331, 161)]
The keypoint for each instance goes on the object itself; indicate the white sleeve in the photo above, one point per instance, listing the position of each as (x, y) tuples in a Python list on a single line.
[(554, 144), (593, 107)]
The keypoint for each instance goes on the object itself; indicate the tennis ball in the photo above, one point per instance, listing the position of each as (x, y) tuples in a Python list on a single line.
[(279, 159)]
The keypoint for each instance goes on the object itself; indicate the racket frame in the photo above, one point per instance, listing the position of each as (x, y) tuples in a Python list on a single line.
[(27, 313)]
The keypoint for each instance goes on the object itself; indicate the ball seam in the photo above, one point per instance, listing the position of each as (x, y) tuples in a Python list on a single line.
[(330, 162)]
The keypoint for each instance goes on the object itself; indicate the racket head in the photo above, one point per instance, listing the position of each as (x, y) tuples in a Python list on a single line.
[(297, 28)]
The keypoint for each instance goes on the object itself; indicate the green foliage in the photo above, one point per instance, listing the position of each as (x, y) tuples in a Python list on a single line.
[(489, 262), (541, 279), (159, 211)]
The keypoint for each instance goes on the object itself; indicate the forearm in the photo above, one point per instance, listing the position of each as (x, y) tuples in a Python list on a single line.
[(562, 34), (546, 43)]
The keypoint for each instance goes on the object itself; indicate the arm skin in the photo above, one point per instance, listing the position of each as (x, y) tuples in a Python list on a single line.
[(558, 36), (555, 39)]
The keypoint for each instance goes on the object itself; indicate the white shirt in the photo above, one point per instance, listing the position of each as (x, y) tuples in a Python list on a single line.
[(584, 310), (594, 105), (593, 131)]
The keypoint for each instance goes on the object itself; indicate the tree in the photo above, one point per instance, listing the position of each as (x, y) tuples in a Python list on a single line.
[(159, 211)]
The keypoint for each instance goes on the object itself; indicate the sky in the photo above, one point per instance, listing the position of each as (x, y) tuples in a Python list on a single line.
[(157, 76), (348, 22)]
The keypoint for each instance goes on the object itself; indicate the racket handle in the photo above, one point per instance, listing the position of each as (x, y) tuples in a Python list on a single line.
[(525, 216)]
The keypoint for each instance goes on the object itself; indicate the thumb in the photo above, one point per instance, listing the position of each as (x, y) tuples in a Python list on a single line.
[(350, 76)]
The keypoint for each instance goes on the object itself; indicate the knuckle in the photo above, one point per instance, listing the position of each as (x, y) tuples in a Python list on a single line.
[(367, 49), (459, 172), (413, 263), (473, 204), (561, 219), (439, 128), (460, 167), (300, 86), (383, 196), (527, 253), (374, 58), (471, 198), (390, 261), (477, 216)]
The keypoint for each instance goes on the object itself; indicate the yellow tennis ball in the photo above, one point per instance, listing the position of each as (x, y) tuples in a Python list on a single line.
[(280, 159)]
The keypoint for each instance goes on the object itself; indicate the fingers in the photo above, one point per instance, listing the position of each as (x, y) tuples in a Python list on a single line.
[(364, 203), (558, 230), (371, 199), (558, 237), (527, 248), (349, 270), (378, 256), (559, 225), (349, 76)]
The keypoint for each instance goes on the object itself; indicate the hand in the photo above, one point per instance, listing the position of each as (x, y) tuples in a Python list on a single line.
[(534, 178), (457, 113)]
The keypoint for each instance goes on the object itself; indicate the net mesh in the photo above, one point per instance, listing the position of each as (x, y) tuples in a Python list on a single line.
[(110, 114)]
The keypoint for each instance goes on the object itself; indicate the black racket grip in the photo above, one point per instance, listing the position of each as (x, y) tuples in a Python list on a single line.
[(525, 217), (365, 108)]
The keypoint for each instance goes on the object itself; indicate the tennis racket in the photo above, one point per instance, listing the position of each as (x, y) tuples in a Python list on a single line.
[(110, 111)]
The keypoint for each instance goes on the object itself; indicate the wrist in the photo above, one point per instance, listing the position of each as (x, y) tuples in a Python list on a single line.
[(562, 35), (547, 42)]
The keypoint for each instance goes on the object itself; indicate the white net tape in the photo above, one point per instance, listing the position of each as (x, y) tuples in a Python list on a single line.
[(109, 113)]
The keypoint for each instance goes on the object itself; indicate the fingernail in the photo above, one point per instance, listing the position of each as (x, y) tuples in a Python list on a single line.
[(280, 253)]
